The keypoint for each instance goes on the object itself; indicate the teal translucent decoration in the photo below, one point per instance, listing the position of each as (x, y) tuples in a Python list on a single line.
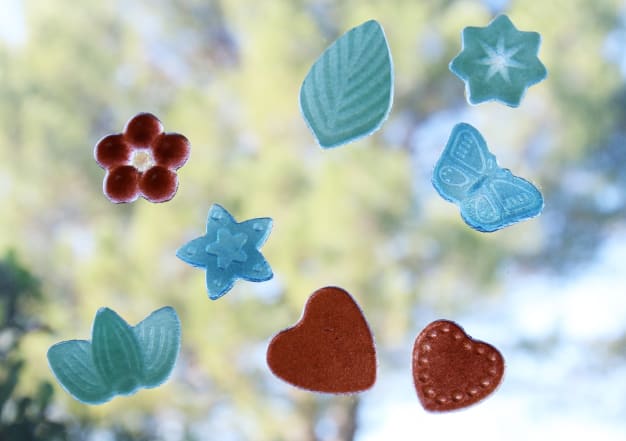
[(490, 197), (229, 251), (348, 92), (498, 62), (120, 359)]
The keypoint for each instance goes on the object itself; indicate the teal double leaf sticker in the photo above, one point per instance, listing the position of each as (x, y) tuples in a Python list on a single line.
[(348, 92), (120, 359)]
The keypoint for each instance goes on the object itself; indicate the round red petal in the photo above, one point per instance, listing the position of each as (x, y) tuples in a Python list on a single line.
[(142, 129), (112, 150), (158, 184), (121, 184), (171, 150)]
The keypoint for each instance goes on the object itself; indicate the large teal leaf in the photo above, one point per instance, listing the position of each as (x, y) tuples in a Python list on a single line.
[(116, 352), (72, 363), (348, 92), (159, 339)]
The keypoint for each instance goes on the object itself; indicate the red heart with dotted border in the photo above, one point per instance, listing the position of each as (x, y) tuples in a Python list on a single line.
[(331, 349), (451, 370)]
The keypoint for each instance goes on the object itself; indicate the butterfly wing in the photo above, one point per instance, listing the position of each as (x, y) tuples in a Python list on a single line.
[(502, 200), (465, 161)]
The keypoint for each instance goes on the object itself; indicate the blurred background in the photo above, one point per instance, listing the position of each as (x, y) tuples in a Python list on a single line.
[(550, 292)]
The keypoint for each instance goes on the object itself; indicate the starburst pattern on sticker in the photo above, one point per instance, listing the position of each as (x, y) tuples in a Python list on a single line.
[(498, 62)]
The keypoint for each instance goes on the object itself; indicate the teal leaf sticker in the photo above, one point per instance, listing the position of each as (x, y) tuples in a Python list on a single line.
[(348, 92), (72, 364), (498, 62), (229, 250), (116, 352), (119, 359), (158, 336)]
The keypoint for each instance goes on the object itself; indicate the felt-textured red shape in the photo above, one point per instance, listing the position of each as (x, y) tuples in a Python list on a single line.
[(112, 150), (143, 129), (451, 370), (171, 150), (120, 184), (331, 349), (158, 184), (153, 156)]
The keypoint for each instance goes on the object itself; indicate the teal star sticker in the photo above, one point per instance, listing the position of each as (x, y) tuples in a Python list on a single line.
[(228, 248), (498, 62), (229, 251)]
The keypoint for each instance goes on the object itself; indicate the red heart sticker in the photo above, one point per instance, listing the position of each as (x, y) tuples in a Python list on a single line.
[(331, 348), (451, 370)]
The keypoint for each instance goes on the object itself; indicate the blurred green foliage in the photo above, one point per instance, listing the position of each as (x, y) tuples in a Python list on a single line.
[(22, 417), (364, 217)]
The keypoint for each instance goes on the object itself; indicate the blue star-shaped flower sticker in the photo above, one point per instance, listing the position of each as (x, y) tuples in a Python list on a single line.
[(229, 251), (498, 62)]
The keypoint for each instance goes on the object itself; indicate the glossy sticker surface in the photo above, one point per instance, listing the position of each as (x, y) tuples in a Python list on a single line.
[(490, 197), (498, 62), (141, 161), (348, 92), (229, 251), (119, 359)]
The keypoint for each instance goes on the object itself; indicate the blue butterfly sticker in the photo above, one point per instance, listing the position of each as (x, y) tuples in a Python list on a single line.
[(490, 197)]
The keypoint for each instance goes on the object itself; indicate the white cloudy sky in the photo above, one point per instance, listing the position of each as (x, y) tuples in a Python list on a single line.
[(566, 392)]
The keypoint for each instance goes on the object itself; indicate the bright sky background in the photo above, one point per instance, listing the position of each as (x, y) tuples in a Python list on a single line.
[(562, 393), (12, 26)]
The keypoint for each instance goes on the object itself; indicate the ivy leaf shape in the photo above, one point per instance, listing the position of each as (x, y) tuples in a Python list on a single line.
[(116, 352), (159, 339), (72, 363), (348, 92)]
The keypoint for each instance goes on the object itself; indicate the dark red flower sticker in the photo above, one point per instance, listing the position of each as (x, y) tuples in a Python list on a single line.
[(141, 161)]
